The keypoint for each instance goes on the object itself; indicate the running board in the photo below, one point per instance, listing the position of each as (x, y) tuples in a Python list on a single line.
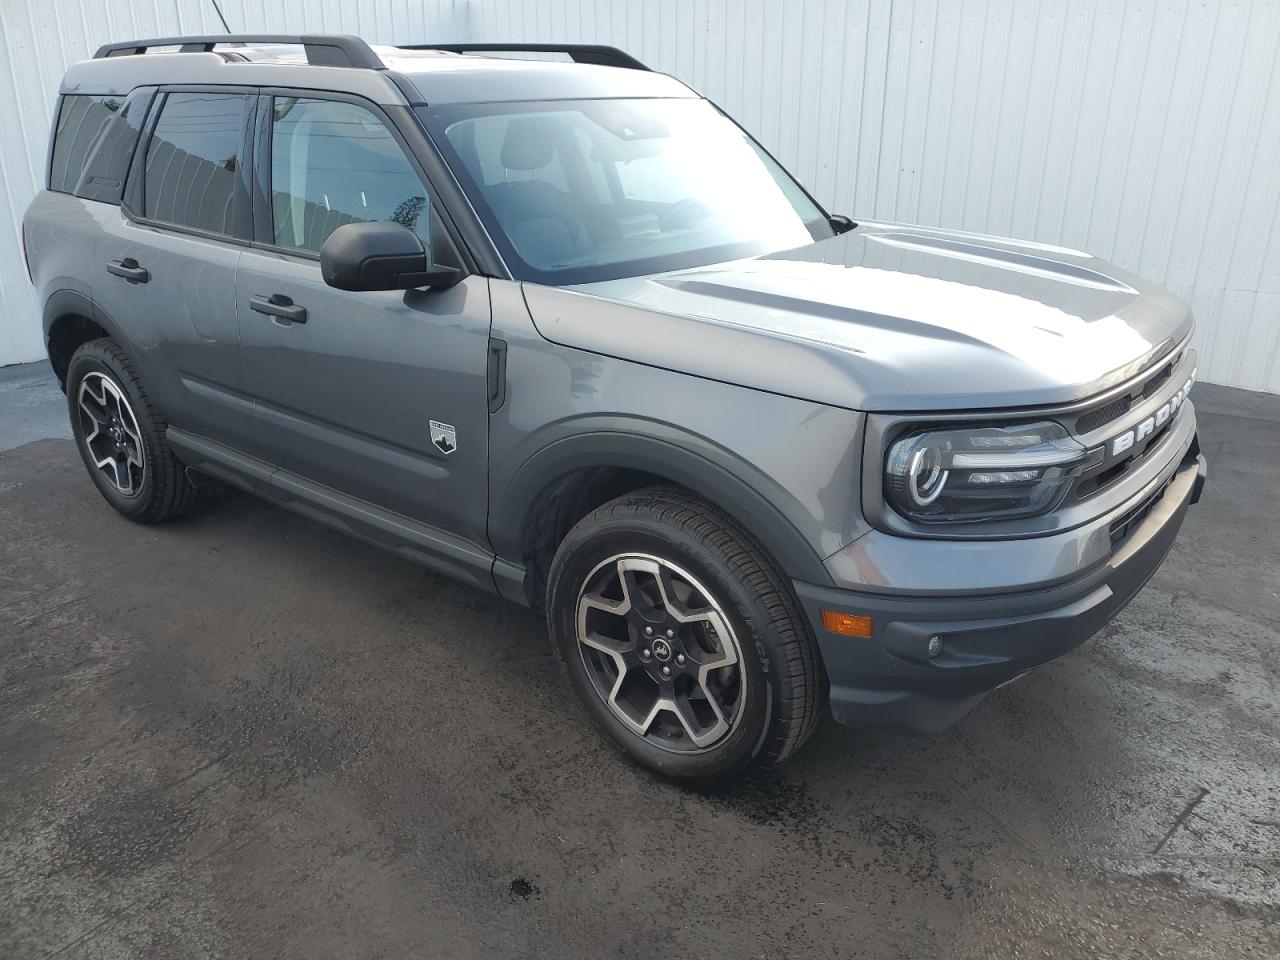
[(419, 542)]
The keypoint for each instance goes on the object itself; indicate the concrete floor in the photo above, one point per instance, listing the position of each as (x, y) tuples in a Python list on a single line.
[(32, 406), (243, 735)]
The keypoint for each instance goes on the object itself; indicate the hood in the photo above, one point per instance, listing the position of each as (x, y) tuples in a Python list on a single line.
[(884, 317)]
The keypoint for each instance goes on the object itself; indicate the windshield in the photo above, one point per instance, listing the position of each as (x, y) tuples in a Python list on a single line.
[(574, 191)]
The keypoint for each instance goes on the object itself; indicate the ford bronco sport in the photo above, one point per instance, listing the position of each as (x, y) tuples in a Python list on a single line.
[(564, 331)]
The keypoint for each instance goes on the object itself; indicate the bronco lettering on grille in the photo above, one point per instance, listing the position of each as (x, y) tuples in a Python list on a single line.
[(1158, 419)]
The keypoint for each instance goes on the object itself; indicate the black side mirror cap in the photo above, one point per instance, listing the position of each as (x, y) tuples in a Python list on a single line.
[(380, 256)]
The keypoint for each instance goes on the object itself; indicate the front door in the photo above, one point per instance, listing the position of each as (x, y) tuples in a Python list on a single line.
[(378, 397)]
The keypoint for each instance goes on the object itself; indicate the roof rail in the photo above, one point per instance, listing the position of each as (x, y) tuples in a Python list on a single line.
[(322, 49), (578, 52)]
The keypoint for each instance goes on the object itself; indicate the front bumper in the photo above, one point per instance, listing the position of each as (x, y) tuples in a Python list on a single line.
[(987, 640)]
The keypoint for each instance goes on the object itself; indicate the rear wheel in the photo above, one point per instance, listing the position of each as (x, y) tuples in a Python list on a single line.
[(682, 638), (121, 437)]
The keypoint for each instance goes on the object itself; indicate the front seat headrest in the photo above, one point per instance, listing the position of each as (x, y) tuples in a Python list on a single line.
[(529, 144)]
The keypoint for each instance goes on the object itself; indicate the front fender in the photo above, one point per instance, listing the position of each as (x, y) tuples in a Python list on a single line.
[(681, 457)]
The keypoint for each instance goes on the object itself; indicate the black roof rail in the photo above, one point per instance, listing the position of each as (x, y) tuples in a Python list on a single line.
[(322, 49), (579, 52)]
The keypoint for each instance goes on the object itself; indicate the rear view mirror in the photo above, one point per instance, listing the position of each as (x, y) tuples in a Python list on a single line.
[(380, 256), (624, 151)]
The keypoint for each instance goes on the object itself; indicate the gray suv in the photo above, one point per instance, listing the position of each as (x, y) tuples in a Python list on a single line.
[(564, 331)]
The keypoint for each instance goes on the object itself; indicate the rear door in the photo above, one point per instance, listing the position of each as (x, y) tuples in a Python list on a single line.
[(93, 140), (379, 397), (168, 258)]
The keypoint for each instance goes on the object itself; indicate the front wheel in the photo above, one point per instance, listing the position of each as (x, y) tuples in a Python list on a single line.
[(682, 638)]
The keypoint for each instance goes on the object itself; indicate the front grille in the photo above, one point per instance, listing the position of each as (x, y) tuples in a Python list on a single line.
[(1115, 409), (1159, 380), (1091, 484), (1125, 524), (1142, 393), (1103, 415)]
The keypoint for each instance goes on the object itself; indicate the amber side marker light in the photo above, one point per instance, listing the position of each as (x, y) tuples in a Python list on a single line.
[(848, 624)]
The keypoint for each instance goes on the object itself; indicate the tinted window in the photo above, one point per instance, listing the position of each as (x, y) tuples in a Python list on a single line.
[(192, 159), (334, 163), (108, 163), (81, 122)]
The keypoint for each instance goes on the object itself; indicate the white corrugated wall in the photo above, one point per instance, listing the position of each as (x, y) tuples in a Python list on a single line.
[(1146, 133), (39, 39)]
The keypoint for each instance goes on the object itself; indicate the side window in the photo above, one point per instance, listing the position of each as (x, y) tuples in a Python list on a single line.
[(81, 123), (108, 163), (190, 176), (334, 163)]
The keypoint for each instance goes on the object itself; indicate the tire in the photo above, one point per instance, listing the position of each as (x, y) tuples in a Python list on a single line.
[(661, 559), (127, 455)]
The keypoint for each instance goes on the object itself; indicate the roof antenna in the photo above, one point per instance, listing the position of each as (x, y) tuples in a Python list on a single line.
[(220, 16)]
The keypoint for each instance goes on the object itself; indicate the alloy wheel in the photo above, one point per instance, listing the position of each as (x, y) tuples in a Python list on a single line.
[(660, 652), (111, 433)]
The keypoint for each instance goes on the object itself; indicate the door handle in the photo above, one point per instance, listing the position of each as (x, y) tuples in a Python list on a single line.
[(279, 306), (129, 269)]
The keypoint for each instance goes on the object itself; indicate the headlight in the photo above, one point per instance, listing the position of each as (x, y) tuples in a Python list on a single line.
[(983, 473)]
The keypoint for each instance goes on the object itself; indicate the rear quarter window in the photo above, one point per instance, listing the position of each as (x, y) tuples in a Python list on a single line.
[(93, 143), (81, 123)]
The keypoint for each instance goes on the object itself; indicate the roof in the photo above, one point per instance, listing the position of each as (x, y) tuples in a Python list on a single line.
[(466, 78), (413, 76)]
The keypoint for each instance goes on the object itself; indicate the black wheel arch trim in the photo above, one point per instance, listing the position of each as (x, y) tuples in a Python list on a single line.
[(675, 459), (76, 303), (64, 303)]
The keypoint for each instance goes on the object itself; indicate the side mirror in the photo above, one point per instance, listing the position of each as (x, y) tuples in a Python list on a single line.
[(380, 256)]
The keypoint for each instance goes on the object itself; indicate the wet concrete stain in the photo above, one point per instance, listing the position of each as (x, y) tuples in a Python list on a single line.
[(768, 801), (523, 889)]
